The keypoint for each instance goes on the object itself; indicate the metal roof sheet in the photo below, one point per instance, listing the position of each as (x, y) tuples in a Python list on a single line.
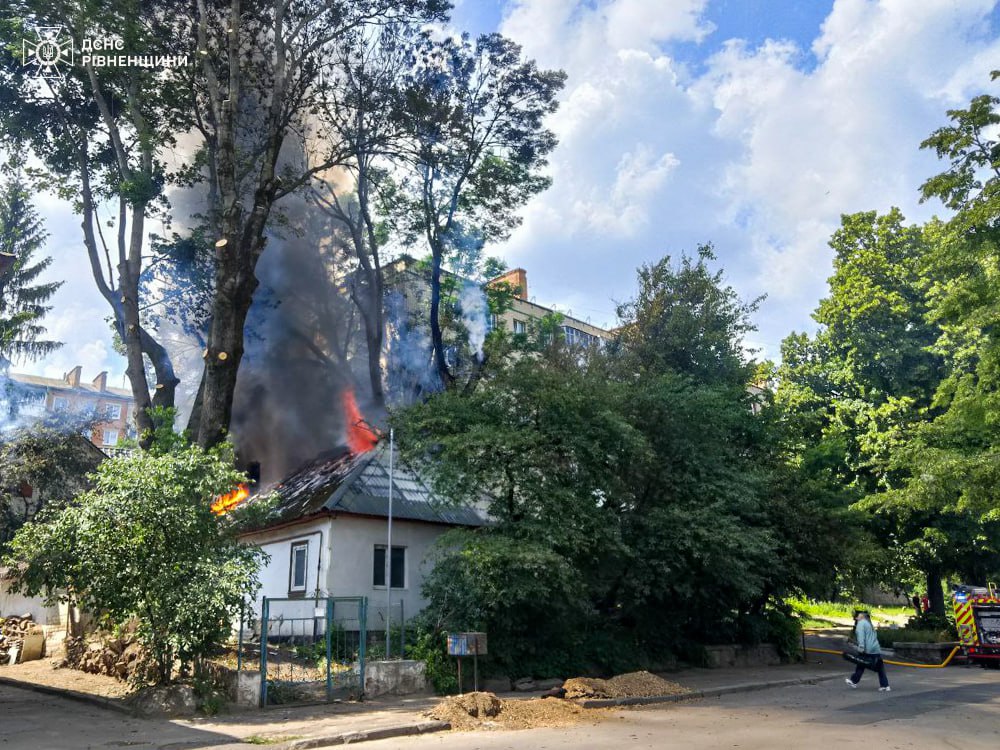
[(341, 482)]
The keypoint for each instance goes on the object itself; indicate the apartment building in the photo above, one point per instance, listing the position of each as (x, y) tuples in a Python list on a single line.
[(71, 394), (412, 278)]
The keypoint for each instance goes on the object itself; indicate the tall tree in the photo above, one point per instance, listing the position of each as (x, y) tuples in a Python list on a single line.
[(22, 299), (99, 132), (475, 113), (262, 76)]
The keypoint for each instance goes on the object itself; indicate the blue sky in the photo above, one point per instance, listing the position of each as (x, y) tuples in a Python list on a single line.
[(751, 124)]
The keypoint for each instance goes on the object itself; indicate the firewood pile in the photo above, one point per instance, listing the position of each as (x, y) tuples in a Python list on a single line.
[(121, 657), (12, 633)]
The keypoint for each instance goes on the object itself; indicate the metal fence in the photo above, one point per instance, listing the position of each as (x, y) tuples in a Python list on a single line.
[(400, 633), (310, 649)]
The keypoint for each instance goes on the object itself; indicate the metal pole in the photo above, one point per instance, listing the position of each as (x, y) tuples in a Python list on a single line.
[(239, 647), (388, 552)]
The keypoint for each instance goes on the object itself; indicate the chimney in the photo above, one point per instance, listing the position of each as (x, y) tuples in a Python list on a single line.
[(516, 277), (101, 381), (73, 376)]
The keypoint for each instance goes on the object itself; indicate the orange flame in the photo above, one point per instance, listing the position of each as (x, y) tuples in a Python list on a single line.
[(360, 437), (225, 503)]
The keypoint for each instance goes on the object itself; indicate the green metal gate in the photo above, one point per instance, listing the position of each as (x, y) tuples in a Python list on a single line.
[(312, 649)]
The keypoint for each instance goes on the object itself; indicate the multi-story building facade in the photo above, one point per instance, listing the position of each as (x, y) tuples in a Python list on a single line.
[(412, 279), (523, 312), (114, 408)]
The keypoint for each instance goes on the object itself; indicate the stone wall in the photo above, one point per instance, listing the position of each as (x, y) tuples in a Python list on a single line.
[(762, 655)]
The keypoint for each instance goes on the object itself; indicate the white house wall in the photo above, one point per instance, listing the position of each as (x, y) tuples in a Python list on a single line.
[(345, 546), (274, 574), (354, 540)]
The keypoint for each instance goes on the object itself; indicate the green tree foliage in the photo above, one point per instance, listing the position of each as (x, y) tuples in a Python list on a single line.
[(639, 510), (474, 115), (22, 299), (143, 545), (42, 464)]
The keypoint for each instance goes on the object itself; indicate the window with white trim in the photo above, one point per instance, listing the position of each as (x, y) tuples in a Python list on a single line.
[(110, 437), (397, 565), (297, 568), (60, 403), (113, 411), (520, 326)]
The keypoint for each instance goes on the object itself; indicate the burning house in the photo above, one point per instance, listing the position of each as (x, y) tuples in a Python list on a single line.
[(327, 533)]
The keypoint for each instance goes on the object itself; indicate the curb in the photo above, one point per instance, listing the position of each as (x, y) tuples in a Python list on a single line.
[(385, 733), (108, 703), (750, 687)]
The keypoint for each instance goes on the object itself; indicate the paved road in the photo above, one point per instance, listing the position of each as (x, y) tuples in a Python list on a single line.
[(33, 721), (927, 710)]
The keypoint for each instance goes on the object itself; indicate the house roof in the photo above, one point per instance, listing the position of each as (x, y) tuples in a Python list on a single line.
[(60, 384), (340, 482)]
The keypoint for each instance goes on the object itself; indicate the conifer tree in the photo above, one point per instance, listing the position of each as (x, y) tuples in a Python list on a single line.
[(22, 299)]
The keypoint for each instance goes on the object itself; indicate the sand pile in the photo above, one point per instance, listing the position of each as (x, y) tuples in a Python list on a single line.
[(486, 711), (631, 685)]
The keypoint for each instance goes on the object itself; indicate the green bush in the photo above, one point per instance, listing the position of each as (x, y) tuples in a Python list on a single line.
[(430, 647)]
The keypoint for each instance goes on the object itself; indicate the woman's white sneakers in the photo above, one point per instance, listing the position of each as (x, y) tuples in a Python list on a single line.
[(886, 689), (849, 682)]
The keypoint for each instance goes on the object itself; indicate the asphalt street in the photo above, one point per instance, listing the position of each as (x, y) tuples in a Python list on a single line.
[(926, 710)]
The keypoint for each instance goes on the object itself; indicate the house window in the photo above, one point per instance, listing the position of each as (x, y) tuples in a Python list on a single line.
[(397, 567), (110, 437), (297, 568), (492, 322), (113, 411), (60, 403), (520, 326)]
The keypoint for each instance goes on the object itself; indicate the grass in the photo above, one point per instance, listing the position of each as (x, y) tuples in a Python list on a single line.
[(811, 610)]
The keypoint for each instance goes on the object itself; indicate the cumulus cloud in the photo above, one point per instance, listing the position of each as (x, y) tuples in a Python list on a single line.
[(759, 152)]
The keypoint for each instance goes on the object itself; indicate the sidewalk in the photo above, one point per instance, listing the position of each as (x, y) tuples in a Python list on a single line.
[(295, 728)]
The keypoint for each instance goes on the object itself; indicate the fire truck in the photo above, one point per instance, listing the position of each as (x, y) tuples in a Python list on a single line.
[(977, 617)]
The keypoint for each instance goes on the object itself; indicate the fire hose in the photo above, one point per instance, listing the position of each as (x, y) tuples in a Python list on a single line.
[(896, 663)]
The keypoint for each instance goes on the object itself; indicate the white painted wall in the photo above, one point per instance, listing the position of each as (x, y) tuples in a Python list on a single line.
[(353, 557), (274, 574), (15, 605), (341, 563)]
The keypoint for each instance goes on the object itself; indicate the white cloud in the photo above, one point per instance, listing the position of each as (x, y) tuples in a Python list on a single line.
[(761, 153)]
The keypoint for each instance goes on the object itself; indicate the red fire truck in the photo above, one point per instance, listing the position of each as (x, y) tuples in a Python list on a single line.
[(977, 617)]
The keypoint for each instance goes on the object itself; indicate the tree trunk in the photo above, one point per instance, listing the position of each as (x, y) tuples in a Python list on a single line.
[(935, 593), (236, 283), (437, 340)]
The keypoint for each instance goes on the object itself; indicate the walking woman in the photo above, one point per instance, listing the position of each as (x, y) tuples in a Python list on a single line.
[(871, 652)]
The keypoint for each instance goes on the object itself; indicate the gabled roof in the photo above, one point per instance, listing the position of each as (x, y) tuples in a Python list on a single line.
[(60, 384), (340, 482)]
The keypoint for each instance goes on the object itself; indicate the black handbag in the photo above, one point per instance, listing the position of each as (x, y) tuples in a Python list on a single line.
[(868, 661)]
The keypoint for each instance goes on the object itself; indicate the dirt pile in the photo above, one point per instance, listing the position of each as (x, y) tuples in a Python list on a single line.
[(631, 685), (486, 711)]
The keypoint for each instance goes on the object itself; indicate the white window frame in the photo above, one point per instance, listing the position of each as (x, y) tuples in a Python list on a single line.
[(520, 326), (113, 411), (405, 567), (104, 437), (296, 547), (60, 403)]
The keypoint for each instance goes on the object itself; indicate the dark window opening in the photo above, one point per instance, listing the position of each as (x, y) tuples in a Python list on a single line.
[(397, 566)]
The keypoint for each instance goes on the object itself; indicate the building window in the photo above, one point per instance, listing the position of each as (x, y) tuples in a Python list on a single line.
[(60, 403), (492, 323), (397, 567), (520, 326), (297, 568), (110, 437), (113, 411)]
